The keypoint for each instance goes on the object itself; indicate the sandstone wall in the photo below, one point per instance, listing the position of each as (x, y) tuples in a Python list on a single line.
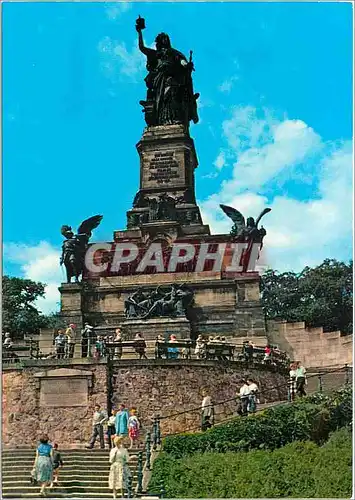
[(168, 389), (153, 386), (24, 420), (312, 346)]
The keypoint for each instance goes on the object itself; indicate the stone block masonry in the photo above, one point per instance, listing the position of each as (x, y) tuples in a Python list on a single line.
[(153, 386)]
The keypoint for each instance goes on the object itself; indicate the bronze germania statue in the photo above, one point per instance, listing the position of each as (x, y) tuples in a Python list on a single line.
[(75, 245), (170, 97)]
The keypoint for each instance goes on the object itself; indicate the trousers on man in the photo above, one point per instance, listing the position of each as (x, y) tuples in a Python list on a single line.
[(98, 430)]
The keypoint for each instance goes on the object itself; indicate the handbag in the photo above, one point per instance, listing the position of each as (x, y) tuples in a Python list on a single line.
[(33, 479)]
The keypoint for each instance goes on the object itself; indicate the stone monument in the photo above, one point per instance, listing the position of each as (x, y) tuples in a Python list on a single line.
[(200, 295)]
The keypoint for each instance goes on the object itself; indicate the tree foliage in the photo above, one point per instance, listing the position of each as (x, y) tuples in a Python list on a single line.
[(19, 313), (320, 296)]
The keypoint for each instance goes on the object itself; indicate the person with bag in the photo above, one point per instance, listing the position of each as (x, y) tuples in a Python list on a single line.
[(42, 472), (133, 427), (111, 427), (244, 392), (119, 469), (57, 464)]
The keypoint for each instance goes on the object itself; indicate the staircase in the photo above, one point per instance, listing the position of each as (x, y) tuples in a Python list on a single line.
[(84, 474)]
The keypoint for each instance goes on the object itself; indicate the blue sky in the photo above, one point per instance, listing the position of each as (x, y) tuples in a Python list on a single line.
[(275, 122)]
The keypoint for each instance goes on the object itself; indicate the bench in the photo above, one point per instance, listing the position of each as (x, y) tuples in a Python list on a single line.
[(110, 348), (220, 351), (162, 349)]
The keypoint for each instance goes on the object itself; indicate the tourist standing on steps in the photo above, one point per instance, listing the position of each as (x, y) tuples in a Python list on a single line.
[(70, 334), (253, 391), (244, 397), (300, 379), (59, 343), (200, 349), (140, 346), (7, 342), (292, 382), (99, 418), (119, 470), (91, 339), (206, 410), (118, 341), (43, 466), (122, 421), (57, 464), (133, 427), (86, 334), (111, 427)]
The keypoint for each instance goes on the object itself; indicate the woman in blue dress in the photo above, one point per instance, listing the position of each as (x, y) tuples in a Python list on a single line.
[(43, 466), (122, 421)]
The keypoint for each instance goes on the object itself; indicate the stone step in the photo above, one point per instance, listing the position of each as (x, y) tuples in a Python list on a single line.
[(74, 451), (52, 494), (64, 483), (77, 472), (68, 461), (68, 465), (63, 490), (63, 478)]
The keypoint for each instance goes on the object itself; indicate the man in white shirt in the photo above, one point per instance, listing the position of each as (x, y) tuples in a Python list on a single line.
[(99, 417), (206, 409), (253, 389), (8, 342), (300, 379), (244, 392)]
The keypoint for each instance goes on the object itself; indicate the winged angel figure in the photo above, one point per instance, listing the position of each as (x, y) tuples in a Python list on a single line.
[(75, 246), (248, 231)]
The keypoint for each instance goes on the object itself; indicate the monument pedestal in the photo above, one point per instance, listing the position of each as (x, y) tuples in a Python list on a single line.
[(151, 328), (165, 211)]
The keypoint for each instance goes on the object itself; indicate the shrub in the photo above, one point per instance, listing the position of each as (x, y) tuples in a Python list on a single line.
[(312, 418), (299, 469)]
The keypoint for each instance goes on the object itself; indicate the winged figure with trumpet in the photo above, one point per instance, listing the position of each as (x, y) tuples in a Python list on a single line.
[(75, 245), (249, 230)]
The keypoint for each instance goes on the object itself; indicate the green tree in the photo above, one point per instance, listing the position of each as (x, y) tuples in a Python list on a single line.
[(19, 314), (320, 296)]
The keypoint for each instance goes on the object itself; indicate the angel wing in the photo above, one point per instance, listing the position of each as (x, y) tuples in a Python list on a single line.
[(64, 230), (89, 224), (235, 215), (264, 212)]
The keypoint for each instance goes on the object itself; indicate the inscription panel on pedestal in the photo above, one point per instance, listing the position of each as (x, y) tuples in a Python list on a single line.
[(61, 392), (161, 169)]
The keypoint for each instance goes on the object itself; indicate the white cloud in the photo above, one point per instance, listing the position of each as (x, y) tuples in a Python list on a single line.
[(227, 85), (115, 10), (117, 59), (266, 149), (220, 160), (39, 263)]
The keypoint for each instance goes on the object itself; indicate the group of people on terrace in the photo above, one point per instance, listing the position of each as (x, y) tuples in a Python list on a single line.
[(96, 346)]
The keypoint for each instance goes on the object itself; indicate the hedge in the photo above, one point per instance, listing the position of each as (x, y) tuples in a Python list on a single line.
[(299, 469), (311, 418)]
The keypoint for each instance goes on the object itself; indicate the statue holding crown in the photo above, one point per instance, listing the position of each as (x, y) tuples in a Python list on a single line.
[(170, 97)]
